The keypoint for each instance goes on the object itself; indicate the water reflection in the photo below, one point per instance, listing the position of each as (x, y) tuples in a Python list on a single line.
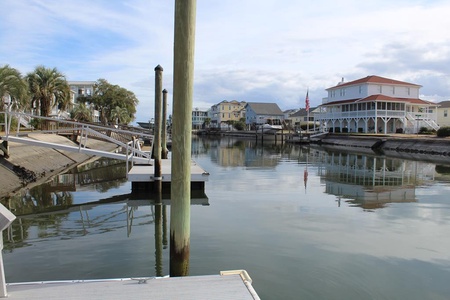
[(363, 179), (370, 181), (229, 152), (100, 175), (295, 241)]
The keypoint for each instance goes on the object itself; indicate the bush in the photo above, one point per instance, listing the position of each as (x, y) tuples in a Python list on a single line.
[(36, 123), (425, 130), (443, 132), (239, 125)]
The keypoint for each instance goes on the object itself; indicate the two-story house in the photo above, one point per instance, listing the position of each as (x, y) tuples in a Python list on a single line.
[(257, 114), (376, 104), (226, 111), (199, 118), (443, 114)]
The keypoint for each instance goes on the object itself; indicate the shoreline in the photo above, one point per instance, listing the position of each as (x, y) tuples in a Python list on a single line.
[(35, 165), (28, 166)]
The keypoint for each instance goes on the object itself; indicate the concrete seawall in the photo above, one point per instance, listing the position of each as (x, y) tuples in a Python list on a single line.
[(427, 148), (31, 165)]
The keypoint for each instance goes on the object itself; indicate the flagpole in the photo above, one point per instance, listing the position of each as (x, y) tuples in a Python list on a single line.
[(307, 110)]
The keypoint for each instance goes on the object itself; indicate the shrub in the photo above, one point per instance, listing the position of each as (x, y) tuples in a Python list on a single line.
[(425, 130), (443, 132)]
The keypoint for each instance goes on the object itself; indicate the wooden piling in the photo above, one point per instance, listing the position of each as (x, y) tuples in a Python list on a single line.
[(157, 127), (183, 82), (158, 236), (165, 151)]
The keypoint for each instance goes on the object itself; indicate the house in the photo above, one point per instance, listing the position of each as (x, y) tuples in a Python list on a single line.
[(199, 117), (303, 119), (82, 88), (376, 104), (224, 112), (443, 116), (260, 113)]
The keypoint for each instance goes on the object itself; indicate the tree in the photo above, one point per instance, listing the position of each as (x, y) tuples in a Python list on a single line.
[(81, 113), (108, 97), (13, 85), (48, 88), (207, 122), (120, 115)]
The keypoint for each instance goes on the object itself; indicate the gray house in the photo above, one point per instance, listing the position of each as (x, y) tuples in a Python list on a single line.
[(261, 113)]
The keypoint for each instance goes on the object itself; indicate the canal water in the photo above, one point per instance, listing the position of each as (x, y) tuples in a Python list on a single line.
[(305, 222)]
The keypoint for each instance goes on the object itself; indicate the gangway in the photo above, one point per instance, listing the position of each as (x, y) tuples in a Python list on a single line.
[(81, 132)]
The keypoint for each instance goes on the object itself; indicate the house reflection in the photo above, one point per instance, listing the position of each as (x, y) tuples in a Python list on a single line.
[(370, 181), (234, 152)]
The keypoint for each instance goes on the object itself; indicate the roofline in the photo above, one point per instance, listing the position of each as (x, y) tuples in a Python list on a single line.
[(376, 79)]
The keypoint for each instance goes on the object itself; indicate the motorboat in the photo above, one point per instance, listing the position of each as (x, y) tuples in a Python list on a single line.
[(271, 126)]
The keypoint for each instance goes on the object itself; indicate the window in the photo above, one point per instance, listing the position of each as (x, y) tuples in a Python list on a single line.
[(380, 89), (408, 91), (445, 113), (360, 89)]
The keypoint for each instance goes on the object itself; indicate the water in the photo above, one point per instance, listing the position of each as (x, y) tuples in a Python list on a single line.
[(306, 223)]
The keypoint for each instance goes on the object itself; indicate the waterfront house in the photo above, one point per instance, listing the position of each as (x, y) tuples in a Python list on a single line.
[(301, 119), (226, 111), (199, 117), (375, 104), (443, 114), (261, 113)]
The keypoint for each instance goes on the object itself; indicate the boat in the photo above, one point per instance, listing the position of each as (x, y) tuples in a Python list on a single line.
[(271, 126), (145, 125)]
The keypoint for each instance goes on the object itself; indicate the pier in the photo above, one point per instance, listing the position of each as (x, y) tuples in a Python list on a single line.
[(234, 284)]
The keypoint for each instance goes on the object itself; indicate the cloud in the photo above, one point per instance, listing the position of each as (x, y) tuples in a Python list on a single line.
[(245, 50)]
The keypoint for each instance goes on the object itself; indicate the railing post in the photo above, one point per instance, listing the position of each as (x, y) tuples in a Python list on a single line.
[(6, 218)]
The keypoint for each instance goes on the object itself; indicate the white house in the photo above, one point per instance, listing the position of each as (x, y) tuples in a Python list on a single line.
[(443, 114), (199, 117), (376, 104)]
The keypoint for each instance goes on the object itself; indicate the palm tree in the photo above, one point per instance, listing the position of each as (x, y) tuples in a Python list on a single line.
[(49, 89), (81, 113), (12, 85), (120, 115)]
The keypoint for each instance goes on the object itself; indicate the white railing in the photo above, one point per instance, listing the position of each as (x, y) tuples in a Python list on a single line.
[(128, 140)]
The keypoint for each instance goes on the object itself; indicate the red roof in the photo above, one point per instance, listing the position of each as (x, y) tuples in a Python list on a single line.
[(374, 79), (380, 97)]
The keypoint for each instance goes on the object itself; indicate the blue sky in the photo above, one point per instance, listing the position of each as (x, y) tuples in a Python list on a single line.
[(246, 50)]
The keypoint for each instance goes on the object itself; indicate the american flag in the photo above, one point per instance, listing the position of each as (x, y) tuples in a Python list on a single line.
[(307, 101)]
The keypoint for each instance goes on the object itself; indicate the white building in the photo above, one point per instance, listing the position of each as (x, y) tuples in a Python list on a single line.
[(376, 104)]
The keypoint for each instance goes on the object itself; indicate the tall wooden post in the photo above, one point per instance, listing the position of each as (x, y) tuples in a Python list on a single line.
[(158, 236), (183, 85), (165, 151), (157, 130)]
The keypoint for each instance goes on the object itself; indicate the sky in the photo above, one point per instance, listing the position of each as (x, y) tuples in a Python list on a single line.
[(246, 50)]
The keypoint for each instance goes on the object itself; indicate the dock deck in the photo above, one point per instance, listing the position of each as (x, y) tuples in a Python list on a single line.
[(142, 175), (228, 285)]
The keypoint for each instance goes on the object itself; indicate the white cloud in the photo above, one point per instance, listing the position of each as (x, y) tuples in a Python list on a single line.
[(245, 50)]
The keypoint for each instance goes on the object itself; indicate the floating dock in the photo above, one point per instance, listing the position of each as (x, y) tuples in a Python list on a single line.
[(228, 285), (142, 176)]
